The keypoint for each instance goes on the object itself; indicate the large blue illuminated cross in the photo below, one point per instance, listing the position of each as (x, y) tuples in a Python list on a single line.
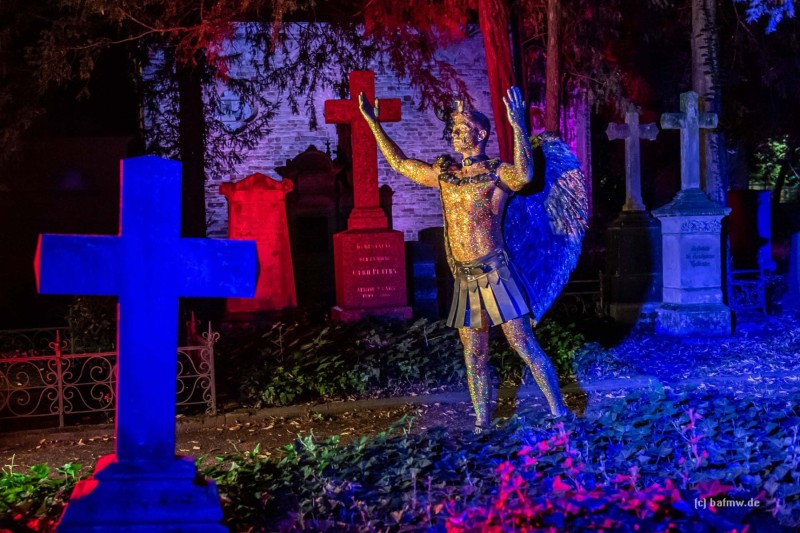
[(148, 266)]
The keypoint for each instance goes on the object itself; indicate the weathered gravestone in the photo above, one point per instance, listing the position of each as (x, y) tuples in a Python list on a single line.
[(691, 228), (369, 258), (257, 211), (633, 258), (316, 210), (144, 486)]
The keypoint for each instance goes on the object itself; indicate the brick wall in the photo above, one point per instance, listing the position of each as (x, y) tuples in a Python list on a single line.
[(419, 134)]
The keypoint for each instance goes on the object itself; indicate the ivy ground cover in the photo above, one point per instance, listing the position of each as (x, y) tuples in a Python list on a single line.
[(653, 460)]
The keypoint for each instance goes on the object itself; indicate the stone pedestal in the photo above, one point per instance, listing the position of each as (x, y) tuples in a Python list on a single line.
[(143, 496), (691, 229), (257, 211), (633, 265), (370, 274)]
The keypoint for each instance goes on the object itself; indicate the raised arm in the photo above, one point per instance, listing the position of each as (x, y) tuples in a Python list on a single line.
[(520, 173), (414, 169)]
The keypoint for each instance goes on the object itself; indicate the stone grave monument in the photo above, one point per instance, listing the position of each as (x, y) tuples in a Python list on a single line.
[(633, 258), (257, 211), (691, 229), (316, 210), (792, 298), (143, 486), (369, 258)]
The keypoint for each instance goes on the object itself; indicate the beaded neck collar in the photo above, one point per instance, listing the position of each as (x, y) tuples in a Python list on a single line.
[(468, 161)]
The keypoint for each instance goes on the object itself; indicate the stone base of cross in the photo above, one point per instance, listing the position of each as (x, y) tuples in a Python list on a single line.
[(633, 263), (370, 274), (148, 266), (144, 497), (691, 236)]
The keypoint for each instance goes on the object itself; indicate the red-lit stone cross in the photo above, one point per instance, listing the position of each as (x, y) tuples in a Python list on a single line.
[(148, 266), (367, 213)]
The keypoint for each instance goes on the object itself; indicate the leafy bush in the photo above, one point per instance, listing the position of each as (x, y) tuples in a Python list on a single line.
[(297, 363), (33, 501), (560, 342), (301, 362)]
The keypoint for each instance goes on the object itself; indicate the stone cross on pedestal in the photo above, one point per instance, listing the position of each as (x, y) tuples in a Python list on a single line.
[(369, 258), (691, 235), (633, 258), (367, 212), (148, 266), (632, 131), (689, 121)]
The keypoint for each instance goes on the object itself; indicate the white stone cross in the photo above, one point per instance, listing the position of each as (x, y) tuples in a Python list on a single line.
[(689, 121), (632, 131)]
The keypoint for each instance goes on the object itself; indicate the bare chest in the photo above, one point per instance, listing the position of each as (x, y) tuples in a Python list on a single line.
[(471, 191)]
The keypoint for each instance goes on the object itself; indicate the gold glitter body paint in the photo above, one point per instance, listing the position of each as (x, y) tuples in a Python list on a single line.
[(473, 196), (473, 213)]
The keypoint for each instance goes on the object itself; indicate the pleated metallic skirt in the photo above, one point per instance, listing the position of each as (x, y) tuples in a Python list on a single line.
[(487, 284)]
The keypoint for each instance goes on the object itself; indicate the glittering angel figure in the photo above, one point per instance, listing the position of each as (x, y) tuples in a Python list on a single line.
[(491, 287)]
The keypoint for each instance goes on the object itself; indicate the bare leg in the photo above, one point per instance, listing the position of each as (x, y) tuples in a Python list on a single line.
[(476, 357), (520, 336)]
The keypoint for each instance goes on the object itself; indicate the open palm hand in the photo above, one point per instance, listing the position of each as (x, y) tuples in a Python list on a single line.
[(515, 107)]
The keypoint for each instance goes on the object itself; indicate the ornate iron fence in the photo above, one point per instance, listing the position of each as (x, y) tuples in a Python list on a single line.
[(60, 384)]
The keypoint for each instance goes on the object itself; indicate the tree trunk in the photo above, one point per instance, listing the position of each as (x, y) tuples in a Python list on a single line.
[(552, 101), (705, 72), (191, 142), (780, 182), (493, 16)]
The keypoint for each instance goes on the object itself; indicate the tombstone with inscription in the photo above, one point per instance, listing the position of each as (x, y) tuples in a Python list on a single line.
[(257, 211), (143, 486), (633, 258), (691, 229), (369, 258)]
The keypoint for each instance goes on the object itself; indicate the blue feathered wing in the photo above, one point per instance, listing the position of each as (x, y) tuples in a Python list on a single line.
[(544, 229)]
